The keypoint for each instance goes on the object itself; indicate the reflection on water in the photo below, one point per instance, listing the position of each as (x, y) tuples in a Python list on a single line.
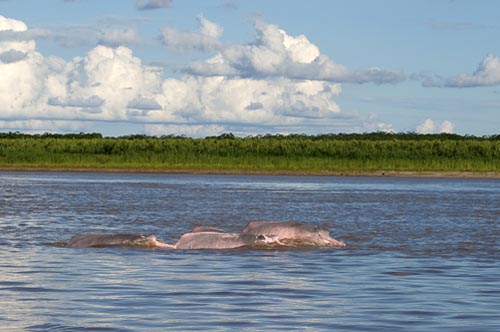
[(422, 254)]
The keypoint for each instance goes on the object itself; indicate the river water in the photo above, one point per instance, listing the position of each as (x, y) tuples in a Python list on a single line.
[(421, 255)]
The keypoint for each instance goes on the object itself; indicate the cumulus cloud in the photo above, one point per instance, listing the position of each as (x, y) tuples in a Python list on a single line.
[(144, 104), (113, 75), (12, 56), (205, 39), (429, 127), (38, 126), (487, 73), (447, 127), (80, 102), (373, 124), (15, 34), (22, 71), (184, 130), (228, 100), (97, 86), (110, 84), (276, 53), (153, 4), (254, 106)]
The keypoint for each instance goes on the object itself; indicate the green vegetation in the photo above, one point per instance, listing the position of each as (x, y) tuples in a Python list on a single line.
[(333, 153)]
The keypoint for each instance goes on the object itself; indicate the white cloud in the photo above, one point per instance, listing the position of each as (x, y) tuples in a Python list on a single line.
[(276, 53), (209, 28), (184, 130), (144, 104), (90, 102), (230, 100), (98, 86), (429, 127), (111, 84), (13, 36), (153, 4), (374, 124), (487, 73), (35, 126), (12, 56), (22, 80), (113, 75), (205, 39), (426, 127), (446, 127)]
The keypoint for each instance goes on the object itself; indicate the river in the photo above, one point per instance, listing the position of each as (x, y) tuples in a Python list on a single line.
[(422, 254)]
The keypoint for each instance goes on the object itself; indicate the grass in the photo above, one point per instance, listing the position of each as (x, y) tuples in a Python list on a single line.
[(340, 153)]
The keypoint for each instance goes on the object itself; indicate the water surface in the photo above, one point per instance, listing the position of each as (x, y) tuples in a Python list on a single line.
[(422, 254)]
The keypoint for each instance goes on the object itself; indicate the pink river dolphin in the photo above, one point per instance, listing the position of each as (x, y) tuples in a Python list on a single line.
[(192, 240), (291, 233), (255, 234), (87, 240)]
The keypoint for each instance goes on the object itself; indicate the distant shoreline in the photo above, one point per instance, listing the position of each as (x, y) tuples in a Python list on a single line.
[(371, 154), (402, 174)]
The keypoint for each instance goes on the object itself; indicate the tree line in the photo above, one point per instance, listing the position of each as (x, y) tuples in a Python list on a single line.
[(315, 153), (335, 136)]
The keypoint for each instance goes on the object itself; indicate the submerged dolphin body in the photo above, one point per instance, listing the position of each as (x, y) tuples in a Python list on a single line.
[(200, 239), (290, 233), (256, 234), (87, 240), (214, 240)]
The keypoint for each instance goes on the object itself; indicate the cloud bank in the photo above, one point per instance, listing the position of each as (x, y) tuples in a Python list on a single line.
[(275, 53), (487, 73), (278, 83)]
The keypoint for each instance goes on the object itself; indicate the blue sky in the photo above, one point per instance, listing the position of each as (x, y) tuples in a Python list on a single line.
[(199, 68)]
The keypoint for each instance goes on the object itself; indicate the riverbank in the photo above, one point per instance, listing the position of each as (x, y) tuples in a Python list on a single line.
[(406, 174)]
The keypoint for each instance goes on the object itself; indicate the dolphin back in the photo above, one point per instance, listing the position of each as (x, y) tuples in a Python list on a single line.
[(292, 233), (108, 240), (214, 240)]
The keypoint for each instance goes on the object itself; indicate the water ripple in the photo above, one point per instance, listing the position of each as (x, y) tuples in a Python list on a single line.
[(418, 258)]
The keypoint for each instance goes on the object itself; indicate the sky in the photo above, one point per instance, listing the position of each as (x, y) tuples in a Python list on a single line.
[(206, 67)]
